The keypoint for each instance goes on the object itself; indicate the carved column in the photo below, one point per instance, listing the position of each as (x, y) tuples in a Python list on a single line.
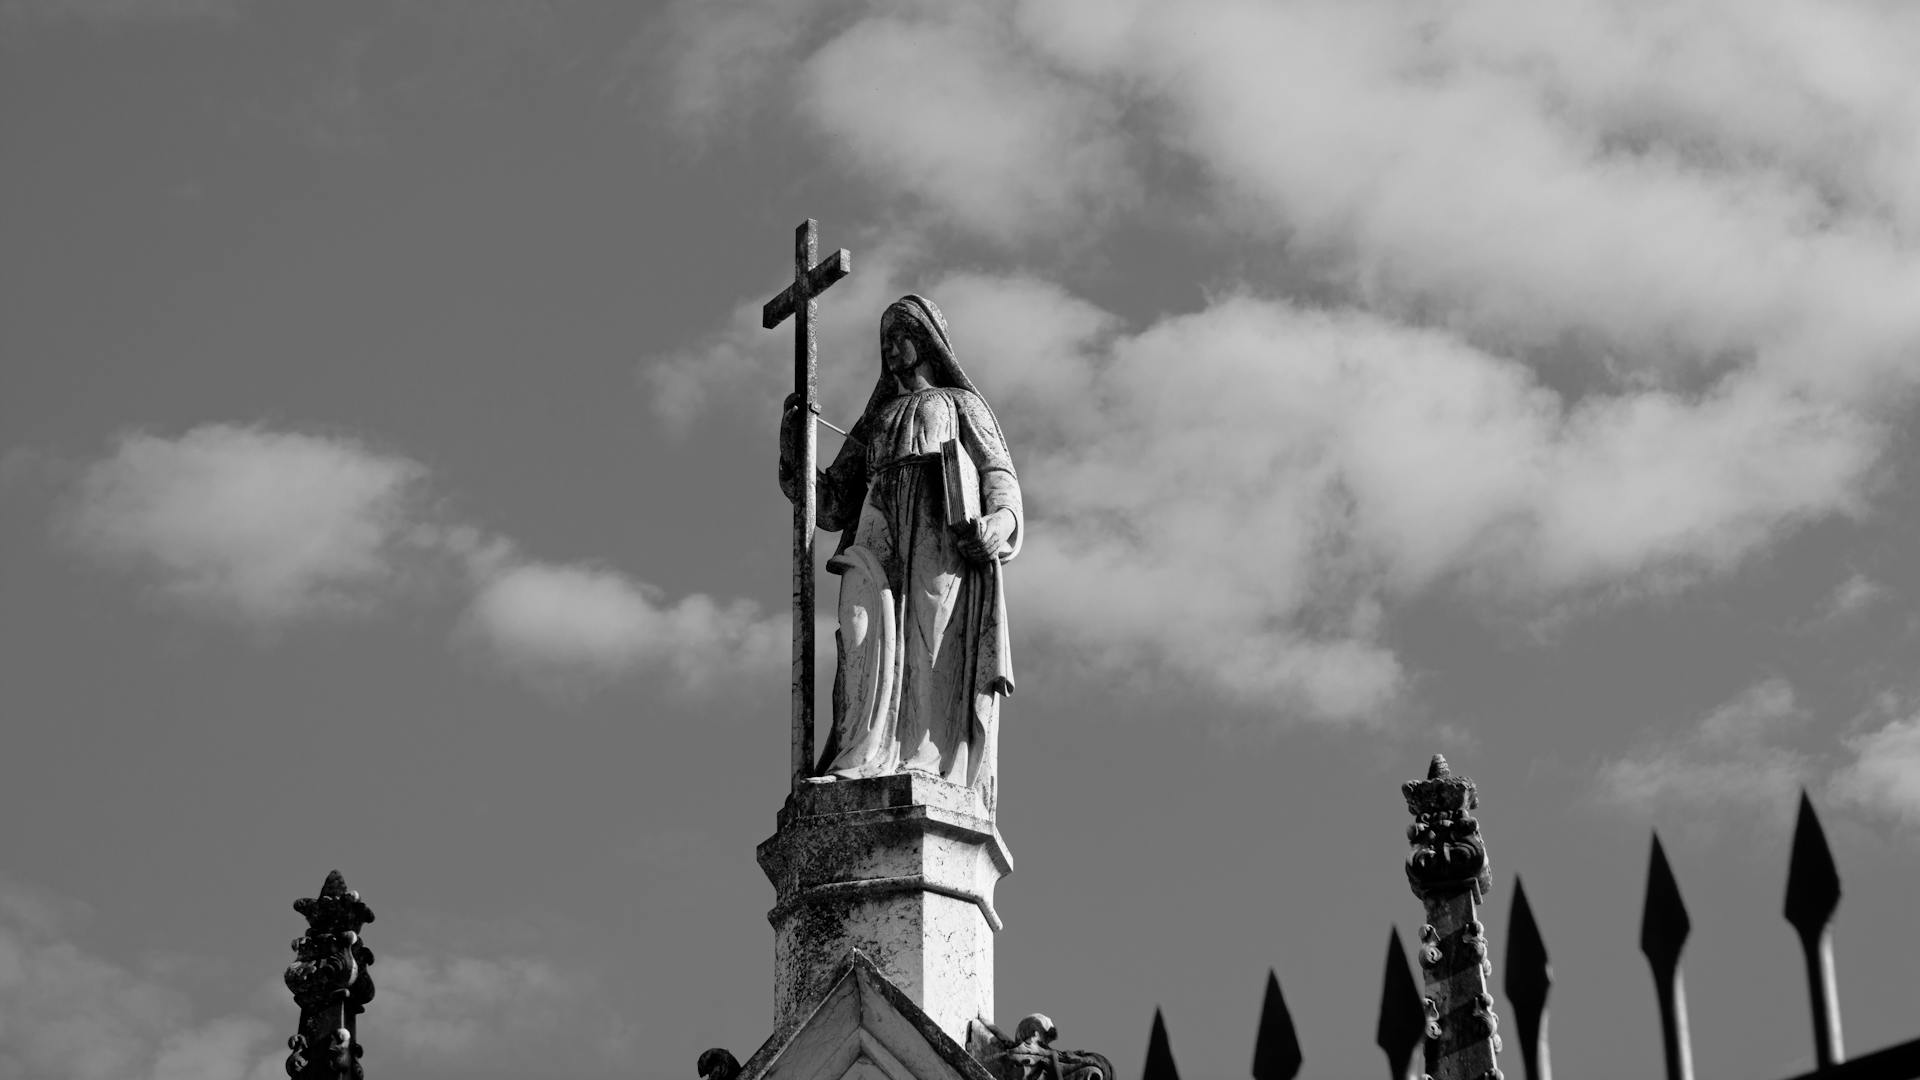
[(1449, 873), (330, 983)]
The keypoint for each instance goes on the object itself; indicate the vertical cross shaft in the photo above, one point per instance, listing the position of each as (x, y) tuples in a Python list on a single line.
[(797, 300), (806, 383)]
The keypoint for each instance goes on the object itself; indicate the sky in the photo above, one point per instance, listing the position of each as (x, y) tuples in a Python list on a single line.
[(387, 482)]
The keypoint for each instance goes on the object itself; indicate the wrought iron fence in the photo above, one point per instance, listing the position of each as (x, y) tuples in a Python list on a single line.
[(1409, 1018)]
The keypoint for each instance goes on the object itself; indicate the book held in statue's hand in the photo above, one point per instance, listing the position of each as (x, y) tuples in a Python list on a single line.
[(960, 479)]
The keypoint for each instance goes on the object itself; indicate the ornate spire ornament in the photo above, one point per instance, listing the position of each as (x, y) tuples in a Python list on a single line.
[(1448, 854), (330, 983), (1448, 871)]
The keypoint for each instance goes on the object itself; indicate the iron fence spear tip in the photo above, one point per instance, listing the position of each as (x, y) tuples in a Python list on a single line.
[(1403, 1014), (1813, 892), (1276, 1050), (1813, 882), (1528, 977), (1159, 1053), (1664, 925)]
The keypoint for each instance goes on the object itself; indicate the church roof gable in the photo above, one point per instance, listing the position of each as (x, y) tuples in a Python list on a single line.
[(864, 1028)]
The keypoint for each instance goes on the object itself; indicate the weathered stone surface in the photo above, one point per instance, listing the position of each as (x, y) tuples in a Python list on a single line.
[(1448, 870), (924, 495), (901, 868), (862, 1027), (1029, 1053)]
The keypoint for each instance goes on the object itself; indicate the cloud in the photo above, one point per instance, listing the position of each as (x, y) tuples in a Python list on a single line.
[(1471, 163), (1666, 190), (245, 522), (955, 112), (1618, 296), (1730, 758), (1850, 598), (1240, 493), (442, 1013), (272, 528), (68, 1014), (570, 622), (1740, 756), (717, 54), (1884, 775), (1673, 189), (748, 368), (943, 104)]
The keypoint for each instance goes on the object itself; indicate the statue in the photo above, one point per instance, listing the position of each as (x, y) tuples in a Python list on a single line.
[(924, 495)]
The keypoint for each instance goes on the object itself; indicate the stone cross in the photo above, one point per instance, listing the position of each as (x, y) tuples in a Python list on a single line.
[(810, 279), (1448, 872)]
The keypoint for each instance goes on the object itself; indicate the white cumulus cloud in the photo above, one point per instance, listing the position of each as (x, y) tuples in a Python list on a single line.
[(1616, 295), (1884, 775), (1240, 492), (564, 621), (1732, 757), (256, 524), (67, 1013), (272, 527)]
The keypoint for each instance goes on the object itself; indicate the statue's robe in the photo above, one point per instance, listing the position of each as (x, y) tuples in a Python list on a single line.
[(924, 660)]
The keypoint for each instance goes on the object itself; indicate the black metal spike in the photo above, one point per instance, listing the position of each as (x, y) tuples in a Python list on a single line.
[(1276, 1050), (1403, 1012), (1159, 1053), (1663, 933), (1528, 978), (1813, 883), (1664, 925), (1813, 892)]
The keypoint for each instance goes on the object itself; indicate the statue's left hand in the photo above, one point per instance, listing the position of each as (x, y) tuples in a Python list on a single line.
[(988, 536)]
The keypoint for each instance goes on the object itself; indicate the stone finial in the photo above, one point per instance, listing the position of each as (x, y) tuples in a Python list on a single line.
[(718, 1063), (1449, 872), (1029, 1054), (330, 982), (1448, 854)]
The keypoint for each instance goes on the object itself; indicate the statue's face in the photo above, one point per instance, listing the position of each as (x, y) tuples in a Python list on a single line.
[(899, 354)]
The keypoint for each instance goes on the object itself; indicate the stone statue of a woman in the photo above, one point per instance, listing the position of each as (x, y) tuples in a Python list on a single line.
[(923, 648)]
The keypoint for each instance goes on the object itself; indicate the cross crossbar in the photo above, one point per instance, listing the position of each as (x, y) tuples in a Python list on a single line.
[(825, 273)]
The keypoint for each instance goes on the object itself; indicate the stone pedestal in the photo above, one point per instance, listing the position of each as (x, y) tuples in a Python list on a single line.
[(899, 867)]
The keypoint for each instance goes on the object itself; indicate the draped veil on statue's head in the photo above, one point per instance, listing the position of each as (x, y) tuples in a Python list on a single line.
[(928, 328)]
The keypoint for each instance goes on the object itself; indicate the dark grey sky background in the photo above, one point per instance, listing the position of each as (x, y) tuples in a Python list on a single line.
[(388, 454)]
